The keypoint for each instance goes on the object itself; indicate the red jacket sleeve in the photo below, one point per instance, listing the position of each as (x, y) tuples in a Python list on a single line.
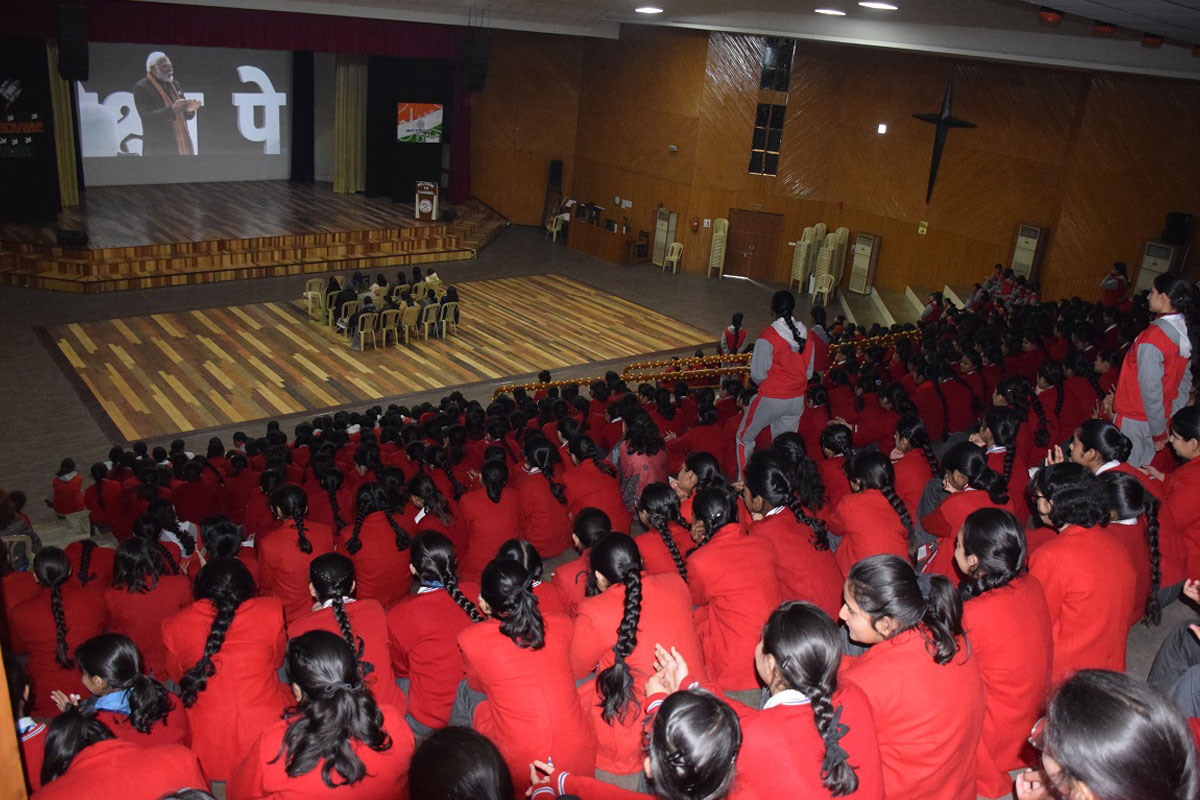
[(247, 780), (588, 643)]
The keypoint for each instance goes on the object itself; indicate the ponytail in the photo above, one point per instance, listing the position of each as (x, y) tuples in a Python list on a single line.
[(494, 477), (116, 660), (996, 538), (508, 589), (887, 586)]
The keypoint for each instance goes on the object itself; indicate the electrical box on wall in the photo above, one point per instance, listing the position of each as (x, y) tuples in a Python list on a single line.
[(1028, 250)]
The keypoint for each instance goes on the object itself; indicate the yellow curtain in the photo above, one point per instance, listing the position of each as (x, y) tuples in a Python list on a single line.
[(350, 125), (64, 130)]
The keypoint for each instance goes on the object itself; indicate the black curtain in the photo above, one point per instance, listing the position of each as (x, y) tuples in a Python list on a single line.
[(393, 168), (28, 162), (303, 117)]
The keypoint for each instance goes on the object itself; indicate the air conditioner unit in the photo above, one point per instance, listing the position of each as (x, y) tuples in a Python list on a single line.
[(1157, 258), (866, 257), (664, 234), (1028, 249)]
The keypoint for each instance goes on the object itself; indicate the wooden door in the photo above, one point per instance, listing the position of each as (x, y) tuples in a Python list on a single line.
[(752, 246)]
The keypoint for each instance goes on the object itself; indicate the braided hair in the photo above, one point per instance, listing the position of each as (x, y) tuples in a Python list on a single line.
[(221, 536), (146, 528), (920, 367), (116, 660), (290, 501), (135, 567), (911, 428), (1053, 374), (975, 359), (436, 458), (373, 497), (995, 537), (99, 476), (524, 554), (968, 458), (1105, 438), (767, 477), (52, 568), (839, 440), (497, 431), (660, 506), (163, 513), (873, 470), (818, 397), (715, 507), (433, 559), (584, 449), (1079, 365), (1018, 394), (804, 474), (616, 557), (1128, 498), (1003, 424), (540, 454), (332, 578), (494, 477), (783, 305), (226, 583), (331, 481), (807, 649), (507, 588), (422, 488), (85, 559)]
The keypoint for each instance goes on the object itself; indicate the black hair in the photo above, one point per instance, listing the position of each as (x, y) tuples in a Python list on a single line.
[(221, 536), (1186, 423), (969, 459), (332, 578), (1004, 424), (767, 476), (1105, 438), (783, 305), (887, 586), (804, 474), (524, 554), (818, 396), (68, 735), (642, 436), (136, 566), (838, 439), (226, 583), (807, 649), (716, 507), (661, 504), (433, 558), (590, 526), (1053, 373), (996, 538), (457, 762), (694, 743), (617, 558), (86, 576), (291, 502), (873, 470), (1128, 498), (372, 497), (1078, 363), (331, 480), (1018, 393), (116, 660), (99, 476), (147, 529), (584, 449), (508, 589), (51, 568), (494, 477), (541, 454), (336, 711), (163, 513), (1076, 495), (911, 428), (707, 469)]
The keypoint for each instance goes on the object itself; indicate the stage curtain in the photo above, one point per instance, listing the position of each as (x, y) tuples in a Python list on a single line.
[(350, 125), (303, 117), (64, 130)]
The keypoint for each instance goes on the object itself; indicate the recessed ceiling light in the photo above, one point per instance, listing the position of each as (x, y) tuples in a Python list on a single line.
[(879, 6), (648, 10), (882, 128), (833, 12)]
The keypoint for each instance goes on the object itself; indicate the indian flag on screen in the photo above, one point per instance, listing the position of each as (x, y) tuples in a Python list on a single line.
[(419, 122)]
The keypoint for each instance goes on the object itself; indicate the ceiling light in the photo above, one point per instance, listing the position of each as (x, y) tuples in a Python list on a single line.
[(882, 128), (1051, 16), (1152, 40), (879, 6), (833, 12), (1104, 28), (648, 10)]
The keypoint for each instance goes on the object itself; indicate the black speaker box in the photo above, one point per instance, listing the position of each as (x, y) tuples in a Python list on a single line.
[(1178, 228), (556, 173), (67, 237), (72, 42), (477, 59)]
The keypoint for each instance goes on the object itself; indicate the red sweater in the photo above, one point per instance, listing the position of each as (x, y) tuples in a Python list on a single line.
[(533, 709), (262, 775), (543, 520), (31, 625), (100, 563), (116, 768), (587, 486), (173, 730), (381, 570), (570, 581), (945, 522), (320, 510), (656, 558), (140, 615), (868, 526), (488, 525), (283, 566), (369, 625), (68, 494), (244, 696), (911, 698), (803, 571), (1182, 491), (912, 475), (107, 514), (194, 501)]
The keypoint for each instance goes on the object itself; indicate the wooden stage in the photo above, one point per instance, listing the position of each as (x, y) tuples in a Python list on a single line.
[(170, 235), (154, 376)]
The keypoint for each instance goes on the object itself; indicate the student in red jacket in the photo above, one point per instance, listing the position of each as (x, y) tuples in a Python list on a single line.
[(432, 510), (90, 562), (521, 551), (490, 516), (222, 538), (339, 741), (423, 633), (179, 536), (84, 759), (625, 614), (593, 484), (667, 535), (804, 563), (997, 435), (378, 546), (141, 597), (734, 587), (197, 498), (543, 502), (917, 463), (930, 399), (257, 518), (134, 706), (224, 651), (970, 485), (1015, 392), (458, 762), (1063, 411), (1135, 524), (284, 554), (832, 750), (836, 449), (1089, 581), (872, 519), (330, 502), (241, 485), (361, 622), (47, 626), (705, 436), (67, 488), (1001, 605), (103, 499), (571, 579), (520, 661), (917, 675), (31, 733)]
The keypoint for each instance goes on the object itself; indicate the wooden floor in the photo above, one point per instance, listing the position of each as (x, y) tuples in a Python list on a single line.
[(178, 372), (130, 216)]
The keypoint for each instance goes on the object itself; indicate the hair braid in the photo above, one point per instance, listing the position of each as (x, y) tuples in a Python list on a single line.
[(187, 542), (354, 544), (85, 560), (1058, 401), (357, 645), (615, 684), (168, 559), (402, 540), (937, 388), (1095, 382), (196, 679), (301, 539), (1153, 610), (1041, 437), (556, 489), (897, 504), (820, 538), (509, 451), (448, 578), (62, 651), (791, 326), (455, 484), (954, 376), (834, 772), (338, 523), (1010, 456)]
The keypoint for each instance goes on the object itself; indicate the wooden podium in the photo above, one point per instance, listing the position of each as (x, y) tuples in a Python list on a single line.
[(427, 201)]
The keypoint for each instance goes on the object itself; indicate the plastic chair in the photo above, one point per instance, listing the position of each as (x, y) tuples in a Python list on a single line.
[(448, 318), (368, 325), (328, 310), (389, 322), (20, 548), (554, 227), (348, 310), (408, 320), (418, 291), (824, 287), (674, 253), (429, 318), (314, 291)]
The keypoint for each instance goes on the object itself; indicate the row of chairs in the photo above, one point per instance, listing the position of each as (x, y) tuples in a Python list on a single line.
[(417, 321)]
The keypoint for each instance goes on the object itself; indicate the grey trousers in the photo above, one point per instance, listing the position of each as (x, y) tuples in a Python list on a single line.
[(782, 414), (1176, 669), (1143, 441)]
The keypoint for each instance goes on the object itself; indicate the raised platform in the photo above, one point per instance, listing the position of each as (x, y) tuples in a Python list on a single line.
[(149, 236)]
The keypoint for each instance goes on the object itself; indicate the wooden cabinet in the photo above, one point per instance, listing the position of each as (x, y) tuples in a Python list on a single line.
[(599, 242)]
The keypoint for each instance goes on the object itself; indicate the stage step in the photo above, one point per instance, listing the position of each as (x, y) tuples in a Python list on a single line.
[(898, 305), (477, 224)]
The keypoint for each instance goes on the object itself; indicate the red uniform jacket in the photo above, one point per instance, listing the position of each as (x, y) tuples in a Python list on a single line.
[(803, 571), (283, 566), (381, 570), (945, 521), (107, 514), (958, 398), (833, 478), (1137, 549), (68, 494), (570, 581), (258, 516), (369, 624), (666, 618), (320, 510), (31, 625), (33, 753), (533, 709), (454, 530), (587, 486), (656, 558), (911, 698), (1015, 679), (1128, 401), (1085, 396), (1090, 587), (244, 696), (734, 588), (257, 778), (788, 374), (423, 633), (173, 730), (194, 501), (238, 491), (868, 526), (116, 768), (543, 520), (700, 439), (488, 525), (100, 563), (140, 617), (931, 410), (912, 475), (19, 587), (1183, 502), (1018, 482), (873, 424)]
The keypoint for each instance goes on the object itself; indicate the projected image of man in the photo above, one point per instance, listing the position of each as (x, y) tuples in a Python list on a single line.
[(163, 109)]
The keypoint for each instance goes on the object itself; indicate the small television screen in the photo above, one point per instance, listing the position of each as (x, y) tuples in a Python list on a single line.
[(420, 123)]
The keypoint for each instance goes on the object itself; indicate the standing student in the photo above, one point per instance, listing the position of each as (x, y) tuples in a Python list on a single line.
[(832, 750), (338, 740), (917, 674), (378, 546), (543, 499), (490, 516), (1002, 605), (593, 484), (1114, 286), (872, 519), (571, 579), (224, 651), (520, 661), (49, 625), (423, 633), (781, 367), (284, 554), (970, 485), (1089, 581), (734, 587), (667, 535), (625, 614), (1156, 378), (804, 564), (733, 338), (141, 597), (360, 622)]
